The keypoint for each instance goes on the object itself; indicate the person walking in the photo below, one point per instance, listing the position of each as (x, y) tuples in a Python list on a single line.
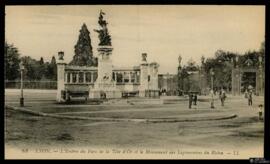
[(260, 109), (212, 99), (250, 98), (190, 100), (222, 96), (195, 99)]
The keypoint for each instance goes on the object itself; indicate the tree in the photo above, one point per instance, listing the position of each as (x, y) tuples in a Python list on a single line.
[(262, 52), (262, 48), (11, 62), (53, 61), (41, 61), (83, 50), (32, 68), (222, 66), (52, 69)]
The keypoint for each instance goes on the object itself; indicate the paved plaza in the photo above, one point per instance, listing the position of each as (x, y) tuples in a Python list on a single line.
[(177, 127)]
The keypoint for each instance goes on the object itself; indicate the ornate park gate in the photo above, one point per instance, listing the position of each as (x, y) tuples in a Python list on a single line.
[(238, 72)]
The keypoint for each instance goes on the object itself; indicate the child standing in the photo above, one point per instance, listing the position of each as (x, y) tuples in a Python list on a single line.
[(260, 112)]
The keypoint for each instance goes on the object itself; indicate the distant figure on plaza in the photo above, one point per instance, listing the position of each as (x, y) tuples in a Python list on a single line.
[(246, 94), (190, 100), (194, 99), (260, 109), (212, 98), (250, 98), (222, 96)]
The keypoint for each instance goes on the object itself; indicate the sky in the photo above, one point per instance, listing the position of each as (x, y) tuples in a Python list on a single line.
[(163, 32)]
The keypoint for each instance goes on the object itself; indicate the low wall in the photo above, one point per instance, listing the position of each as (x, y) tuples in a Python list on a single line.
[(31, 84)]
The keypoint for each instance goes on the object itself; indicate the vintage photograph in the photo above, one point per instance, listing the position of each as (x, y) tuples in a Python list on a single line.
[(134, 81)]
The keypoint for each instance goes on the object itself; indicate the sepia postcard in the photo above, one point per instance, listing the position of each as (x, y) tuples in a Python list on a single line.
[(134, 81)]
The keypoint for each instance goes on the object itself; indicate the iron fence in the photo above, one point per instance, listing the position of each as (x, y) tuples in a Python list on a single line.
[(16, 84)]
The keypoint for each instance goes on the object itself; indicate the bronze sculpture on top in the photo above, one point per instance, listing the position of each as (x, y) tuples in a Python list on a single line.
[(103, 35)]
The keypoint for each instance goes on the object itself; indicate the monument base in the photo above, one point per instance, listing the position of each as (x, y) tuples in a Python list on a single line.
[(105, 90), (149, 93), (109, 94)]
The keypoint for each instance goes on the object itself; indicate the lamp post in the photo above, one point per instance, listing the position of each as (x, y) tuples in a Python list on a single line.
[(21, 98), (212, 87), (260, 76)]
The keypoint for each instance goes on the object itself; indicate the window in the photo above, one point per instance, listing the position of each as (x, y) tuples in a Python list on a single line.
[(119, 77), (88, 77), (74, 77), (132, 74), (81, 74), (126, 77)]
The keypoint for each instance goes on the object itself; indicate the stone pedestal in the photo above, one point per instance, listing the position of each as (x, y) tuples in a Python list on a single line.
[(148, 78), (105, 86), (60, 78), (236, 83), (260, 82)]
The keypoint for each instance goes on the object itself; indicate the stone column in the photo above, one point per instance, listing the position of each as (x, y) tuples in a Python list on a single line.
[(129, 77), (123, 77), (84, 81), (260, 78), (104, 63), (92, 77), (143, 76), (60, 77), (259, 82), (70, 77), (66, 75), (236, 82), (135, 75), (77, 77), (236, 88)]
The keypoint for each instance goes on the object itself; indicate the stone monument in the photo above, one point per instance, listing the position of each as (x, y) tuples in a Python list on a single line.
[(105, 86), (60, 77)]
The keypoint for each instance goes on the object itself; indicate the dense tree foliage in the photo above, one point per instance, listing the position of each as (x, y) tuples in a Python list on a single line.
[(83, 50), (38, 70), (34, 69), (12, 60), (223, 62)]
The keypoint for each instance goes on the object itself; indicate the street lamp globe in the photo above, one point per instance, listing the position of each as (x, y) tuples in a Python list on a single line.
[(260, 59), (212, 72), (236, 58), (21, 66)]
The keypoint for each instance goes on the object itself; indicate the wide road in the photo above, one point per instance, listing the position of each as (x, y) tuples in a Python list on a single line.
[(243, 134)]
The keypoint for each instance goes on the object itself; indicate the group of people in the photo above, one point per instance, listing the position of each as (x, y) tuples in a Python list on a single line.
[(222, 96), (248, 96), (192, 99)]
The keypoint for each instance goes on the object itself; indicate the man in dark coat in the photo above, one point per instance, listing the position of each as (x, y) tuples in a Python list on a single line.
[(250, 98), (222, 96), (190, 100), (195, 98)]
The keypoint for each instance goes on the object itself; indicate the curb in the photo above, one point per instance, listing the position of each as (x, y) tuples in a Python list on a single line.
[(151, 120)]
